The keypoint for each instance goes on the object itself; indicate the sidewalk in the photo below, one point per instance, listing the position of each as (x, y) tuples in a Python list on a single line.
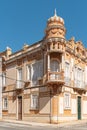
[(71, 123)]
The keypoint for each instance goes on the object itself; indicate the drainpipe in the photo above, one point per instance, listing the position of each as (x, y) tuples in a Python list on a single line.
[(50, 107)]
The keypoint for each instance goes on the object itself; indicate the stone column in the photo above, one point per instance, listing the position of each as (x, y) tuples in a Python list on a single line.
[(44, 64), (62, 62), (48, 59), (55, 109), (48, 66), (54, 106)]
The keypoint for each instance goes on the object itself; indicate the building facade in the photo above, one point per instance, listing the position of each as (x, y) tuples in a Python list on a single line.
[(46, 81)]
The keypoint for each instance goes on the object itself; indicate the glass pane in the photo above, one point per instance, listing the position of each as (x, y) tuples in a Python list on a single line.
[(54, 66)]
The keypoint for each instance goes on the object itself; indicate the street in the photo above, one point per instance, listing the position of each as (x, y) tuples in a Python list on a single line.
[(14, 126)]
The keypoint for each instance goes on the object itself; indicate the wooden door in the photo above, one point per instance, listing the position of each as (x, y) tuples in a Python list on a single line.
[(79, 108), (20, 108)]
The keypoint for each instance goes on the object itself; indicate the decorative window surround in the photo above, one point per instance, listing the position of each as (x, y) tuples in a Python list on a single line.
[(19, 78), (5, 103), (34, 104), (67, 102), (35, 72), (67, 74), (4, 79), (79, 77)]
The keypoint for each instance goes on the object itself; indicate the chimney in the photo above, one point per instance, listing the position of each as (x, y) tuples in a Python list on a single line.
[(8, 51)]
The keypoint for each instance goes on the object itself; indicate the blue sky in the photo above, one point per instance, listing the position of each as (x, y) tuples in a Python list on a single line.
[(24, 21)]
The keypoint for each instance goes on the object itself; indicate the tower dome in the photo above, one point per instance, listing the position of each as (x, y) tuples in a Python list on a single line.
[(55, 27), (56, 18)]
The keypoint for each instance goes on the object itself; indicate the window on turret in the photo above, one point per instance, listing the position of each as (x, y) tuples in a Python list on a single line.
[(55, 67)]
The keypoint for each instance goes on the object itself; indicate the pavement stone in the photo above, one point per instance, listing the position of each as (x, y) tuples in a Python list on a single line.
[(71, 123)]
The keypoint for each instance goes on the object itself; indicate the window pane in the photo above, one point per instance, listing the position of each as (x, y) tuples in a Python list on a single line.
[(34, 101), (5, 103), (28, 72), (4, 79), (19, 78), (54, 66), (67, 100), (37, 71)]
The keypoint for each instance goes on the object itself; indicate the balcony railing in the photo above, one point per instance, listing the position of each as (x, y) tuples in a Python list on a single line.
[(79, 84), (56, 77), (19, 84), (56, 47)]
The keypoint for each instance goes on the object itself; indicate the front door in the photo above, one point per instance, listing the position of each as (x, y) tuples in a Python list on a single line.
[(79, 108), (20, 108)]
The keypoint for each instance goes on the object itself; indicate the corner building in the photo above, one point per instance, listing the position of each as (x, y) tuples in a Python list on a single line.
[(46, 81)]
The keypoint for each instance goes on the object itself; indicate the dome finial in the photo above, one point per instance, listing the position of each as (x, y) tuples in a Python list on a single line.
[(55, 13)]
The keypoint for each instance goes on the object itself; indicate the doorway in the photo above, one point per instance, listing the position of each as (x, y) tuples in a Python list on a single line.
[(79, 107), (19, 107)]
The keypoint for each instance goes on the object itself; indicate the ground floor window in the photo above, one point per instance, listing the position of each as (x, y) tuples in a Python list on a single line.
[(34, 102), (5, 103), (67, 100)]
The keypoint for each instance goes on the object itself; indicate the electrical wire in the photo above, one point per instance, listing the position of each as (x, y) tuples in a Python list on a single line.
[(12, 78)]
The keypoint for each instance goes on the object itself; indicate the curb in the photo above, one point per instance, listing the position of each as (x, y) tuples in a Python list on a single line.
[(45, 124)]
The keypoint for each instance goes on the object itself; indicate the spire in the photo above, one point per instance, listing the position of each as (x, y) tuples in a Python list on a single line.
[(55, 13)]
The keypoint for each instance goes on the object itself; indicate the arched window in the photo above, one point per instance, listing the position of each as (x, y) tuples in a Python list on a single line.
[(54, 66)]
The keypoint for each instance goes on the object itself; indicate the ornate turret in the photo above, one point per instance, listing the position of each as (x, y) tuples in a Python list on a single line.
[(55, 27)]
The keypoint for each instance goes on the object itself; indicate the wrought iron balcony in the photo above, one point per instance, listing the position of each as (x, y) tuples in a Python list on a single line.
[(55, 78)]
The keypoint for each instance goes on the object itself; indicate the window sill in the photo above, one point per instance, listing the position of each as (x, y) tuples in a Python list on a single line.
[(34, 109), (67, 108), (5, 110)]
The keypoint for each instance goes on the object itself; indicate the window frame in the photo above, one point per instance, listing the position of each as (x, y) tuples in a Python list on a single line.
[(79, 77), (5, 103), (29, 72), (4, 79), (56, 67), (67, 103), (19, 80), (34, 66), (34, 105), (67, 74)]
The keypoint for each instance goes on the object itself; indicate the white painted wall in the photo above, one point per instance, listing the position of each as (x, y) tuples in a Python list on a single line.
[(84, 107), (73, 106), (61, 105)]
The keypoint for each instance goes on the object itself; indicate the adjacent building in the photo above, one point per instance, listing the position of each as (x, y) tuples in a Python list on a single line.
[(46, 81)]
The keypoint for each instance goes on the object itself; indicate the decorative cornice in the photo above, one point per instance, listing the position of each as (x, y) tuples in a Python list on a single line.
[(55, 26), (55, 39)]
